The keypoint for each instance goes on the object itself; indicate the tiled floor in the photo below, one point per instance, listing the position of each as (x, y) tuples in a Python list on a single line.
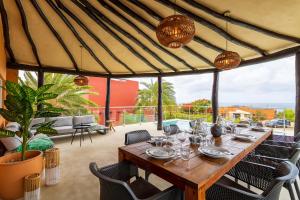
[(77, 183)]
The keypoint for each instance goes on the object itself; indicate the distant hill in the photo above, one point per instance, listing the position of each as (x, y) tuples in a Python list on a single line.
[(278, 106)]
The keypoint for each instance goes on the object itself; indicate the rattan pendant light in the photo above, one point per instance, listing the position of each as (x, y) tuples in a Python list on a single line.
[(227, 59), (81, 80), (175, 31)]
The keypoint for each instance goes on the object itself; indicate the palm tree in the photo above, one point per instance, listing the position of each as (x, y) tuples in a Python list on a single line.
[(70, 96), (149, 95)]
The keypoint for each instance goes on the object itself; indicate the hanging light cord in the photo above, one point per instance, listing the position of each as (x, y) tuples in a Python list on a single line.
[(226, 13), (174, 8), (226, 32)]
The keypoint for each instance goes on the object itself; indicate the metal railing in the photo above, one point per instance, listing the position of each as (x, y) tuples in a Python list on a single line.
[(124, 115)]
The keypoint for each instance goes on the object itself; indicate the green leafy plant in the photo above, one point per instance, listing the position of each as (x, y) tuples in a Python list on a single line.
[(21, 106)]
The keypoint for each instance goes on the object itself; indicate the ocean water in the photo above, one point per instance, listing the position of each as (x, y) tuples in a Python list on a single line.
[(278, 106)]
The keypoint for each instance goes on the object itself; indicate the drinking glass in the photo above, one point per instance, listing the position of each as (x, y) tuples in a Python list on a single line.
[(181, 136), (185, 153), (167, 133), (158, 141)]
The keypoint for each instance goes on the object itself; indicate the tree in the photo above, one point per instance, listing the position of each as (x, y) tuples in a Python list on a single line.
[(288, 114), (201, 105), (69, 96), (149, 95)]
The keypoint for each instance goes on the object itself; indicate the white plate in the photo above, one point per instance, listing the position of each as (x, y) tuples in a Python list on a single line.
[(161, 153), (214, 152), (245, 137)]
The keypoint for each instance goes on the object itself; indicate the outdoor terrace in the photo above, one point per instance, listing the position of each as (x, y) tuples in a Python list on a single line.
[(76, 179)]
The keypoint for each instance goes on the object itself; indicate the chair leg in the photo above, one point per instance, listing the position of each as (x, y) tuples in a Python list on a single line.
[(297, 189), (290, 189), (147, 174)]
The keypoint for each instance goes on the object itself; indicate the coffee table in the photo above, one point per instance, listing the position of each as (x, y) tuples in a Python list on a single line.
[(81, 128)]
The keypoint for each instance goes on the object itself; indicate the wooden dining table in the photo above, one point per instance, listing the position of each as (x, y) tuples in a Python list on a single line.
[(200, 172)]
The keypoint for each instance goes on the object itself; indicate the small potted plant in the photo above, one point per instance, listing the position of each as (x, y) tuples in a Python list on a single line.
[(21, 106)]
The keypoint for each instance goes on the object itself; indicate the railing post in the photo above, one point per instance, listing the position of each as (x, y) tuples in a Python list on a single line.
[(40, 80), (140, 115), (124, 121), (297, 78), (107, 101)]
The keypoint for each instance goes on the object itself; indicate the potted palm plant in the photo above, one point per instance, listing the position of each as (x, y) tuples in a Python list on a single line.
[(21, 106)]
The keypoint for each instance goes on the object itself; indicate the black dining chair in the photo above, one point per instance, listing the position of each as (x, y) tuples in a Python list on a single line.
[(269, 179), (283, 140), (274, 154), (172, 129), (115, 184), (137, 136)]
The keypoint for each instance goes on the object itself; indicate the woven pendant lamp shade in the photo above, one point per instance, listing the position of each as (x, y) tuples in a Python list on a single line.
[(175, 31), (227, 60), (81, 80)]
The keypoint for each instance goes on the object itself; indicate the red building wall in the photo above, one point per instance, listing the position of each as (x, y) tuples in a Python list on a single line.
[(124, 93)]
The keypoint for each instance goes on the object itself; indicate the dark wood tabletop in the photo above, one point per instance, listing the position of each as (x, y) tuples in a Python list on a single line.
[(200, 172)]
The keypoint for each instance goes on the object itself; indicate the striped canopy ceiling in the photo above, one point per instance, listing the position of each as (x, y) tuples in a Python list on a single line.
[(118, 37)]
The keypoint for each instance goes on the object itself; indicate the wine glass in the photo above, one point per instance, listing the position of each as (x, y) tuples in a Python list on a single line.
[(181, 136), (167, 133)]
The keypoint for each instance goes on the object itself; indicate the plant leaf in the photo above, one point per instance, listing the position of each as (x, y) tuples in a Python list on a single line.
[(43, 89), (47, 114), (46, 130), (14, 89), (8, 115), (30, 93), (46, 96), (6, 133), (13, 104)]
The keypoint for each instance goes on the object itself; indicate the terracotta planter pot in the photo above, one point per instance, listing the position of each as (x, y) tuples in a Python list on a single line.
[(12, 173)]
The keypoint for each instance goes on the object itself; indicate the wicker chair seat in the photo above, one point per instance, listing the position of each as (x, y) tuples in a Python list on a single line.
[(143, 189)]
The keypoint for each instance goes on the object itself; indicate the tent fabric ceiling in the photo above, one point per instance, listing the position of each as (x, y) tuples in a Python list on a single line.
[(118, 37)]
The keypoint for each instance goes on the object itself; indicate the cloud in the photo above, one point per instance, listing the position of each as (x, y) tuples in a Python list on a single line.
[(272, 82)]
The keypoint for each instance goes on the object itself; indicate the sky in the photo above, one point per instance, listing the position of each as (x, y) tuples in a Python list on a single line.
[(271, 82)]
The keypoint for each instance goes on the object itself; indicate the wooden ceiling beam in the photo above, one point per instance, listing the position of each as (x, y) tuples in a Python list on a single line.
[(27, 32), (123, 7), (54, 32), (140, 31), (69, 25), (241, 23), (273, 56), (127, 34), (213, 27), (118, 38), (93, 35), (5, 27), (158, 17)]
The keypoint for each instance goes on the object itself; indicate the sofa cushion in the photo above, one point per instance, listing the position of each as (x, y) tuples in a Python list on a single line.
[(85, 119), (64, 130), (36, 121), (11, 143), (61, 121), (13, 126)]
